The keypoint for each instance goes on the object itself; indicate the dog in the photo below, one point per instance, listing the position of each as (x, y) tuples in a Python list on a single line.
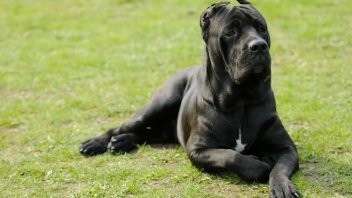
[(223, 112)]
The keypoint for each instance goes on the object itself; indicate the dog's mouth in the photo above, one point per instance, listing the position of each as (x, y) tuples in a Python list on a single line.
[(257, 63), (258, 69), (253, 68)]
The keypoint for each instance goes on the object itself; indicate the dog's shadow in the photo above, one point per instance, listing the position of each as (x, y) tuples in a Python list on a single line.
[(158, 146), (229, 177), (322, 173), (226, 176)]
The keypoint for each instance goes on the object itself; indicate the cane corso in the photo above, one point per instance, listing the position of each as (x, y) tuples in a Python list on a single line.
[(221, 112)]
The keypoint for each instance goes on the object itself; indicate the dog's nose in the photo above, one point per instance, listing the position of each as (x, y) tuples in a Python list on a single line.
[(257, 46)]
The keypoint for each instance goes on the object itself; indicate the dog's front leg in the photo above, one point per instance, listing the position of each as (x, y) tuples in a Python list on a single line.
[(247, 167), (280, 184)]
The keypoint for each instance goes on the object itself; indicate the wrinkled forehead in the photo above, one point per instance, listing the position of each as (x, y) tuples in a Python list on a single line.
[(244, 12)]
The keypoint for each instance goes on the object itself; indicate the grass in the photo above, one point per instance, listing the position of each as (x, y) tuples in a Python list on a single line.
[(70, 69)]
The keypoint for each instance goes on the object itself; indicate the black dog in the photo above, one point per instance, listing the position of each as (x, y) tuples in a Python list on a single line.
[(223, 112)]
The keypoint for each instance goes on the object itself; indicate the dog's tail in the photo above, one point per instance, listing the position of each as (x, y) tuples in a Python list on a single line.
[(243, 2)]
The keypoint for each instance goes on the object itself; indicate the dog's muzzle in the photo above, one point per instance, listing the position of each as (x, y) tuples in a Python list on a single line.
[(258, 69), (258, 49)]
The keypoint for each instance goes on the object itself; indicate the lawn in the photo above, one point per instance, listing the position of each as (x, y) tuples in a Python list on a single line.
[(70, 69)]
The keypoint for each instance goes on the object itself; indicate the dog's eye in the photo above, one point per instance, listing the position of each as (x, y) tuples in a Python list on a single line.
[(231, 33), (262, 29), (237, 23)]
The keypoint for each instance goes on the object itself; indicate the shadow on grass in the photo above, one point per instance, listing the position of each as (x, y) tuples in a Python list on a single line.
[(226, 176), (327, 176), (316, 174), (156, 146)]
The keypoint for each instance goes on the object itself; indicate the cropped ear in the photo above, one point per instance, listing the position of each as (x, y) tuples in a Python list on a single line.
[(206, 15), (243, 2)]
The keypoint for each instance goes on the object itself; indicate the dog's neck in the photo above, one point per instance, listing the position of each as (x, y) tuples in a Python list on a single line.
[(219, 89)]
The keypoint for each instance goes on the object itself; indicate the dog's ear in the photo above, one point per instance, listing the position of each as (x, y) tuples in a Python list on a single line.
[(207, 14), (243, 2)]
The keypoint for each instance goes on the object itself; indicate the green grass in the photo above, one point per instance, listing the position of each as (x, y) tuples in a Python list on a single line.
[(70, 69)]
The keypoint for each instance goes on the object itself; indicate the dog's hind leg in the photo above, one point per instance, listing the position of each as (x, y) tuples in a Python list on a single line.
[(154, 122)]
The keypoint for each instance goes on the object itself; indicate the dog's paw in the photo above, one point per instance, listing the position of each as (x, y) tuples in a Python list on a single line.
[(253, 169), (282, 188), (92, 147), (122, 143), (261, 171)]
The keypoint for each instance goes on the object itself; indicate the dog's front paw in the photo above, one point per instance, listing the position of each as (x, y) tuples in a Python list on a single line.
[(93, 146), (253, 169), (260, 171), (122, 143), (282, 187)]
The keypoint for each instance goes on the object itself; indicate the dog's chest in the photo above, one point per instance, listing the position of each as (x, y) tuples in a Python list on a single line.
[(242, 130), (239, 119), (240, 146)]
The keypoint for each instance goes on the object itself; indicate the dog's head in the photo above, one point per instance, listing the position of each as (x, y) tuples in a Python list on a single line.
[(237, 39)]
